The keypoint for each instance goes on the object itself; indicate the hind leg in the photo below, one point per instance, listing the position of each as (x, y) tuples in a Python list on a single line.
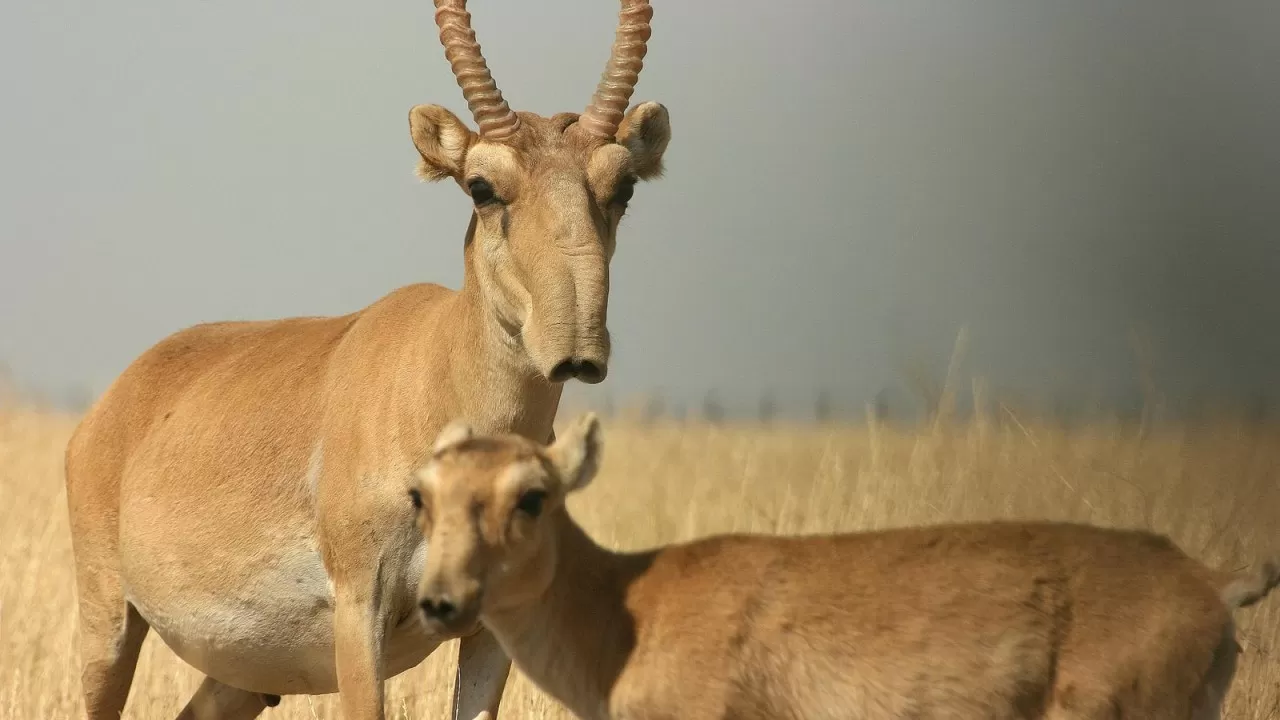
[(215, 701), (111, 630), (112, 636)]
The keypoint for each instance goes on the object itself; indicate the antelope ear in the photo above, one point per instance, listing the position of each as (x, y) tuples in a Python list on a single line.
[(441, 139), (576, 454), (457, 431), (645, 131)]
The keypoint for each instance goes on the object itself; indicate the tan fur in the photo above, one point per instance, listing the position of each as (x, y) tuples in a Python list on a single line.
[(239, 488), (982, 621)]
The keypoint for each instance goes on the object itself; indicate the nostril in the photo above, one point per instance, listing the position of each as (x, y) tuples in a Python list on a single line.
[(440, 609), (564, 371), (584, 370), (589, 371)]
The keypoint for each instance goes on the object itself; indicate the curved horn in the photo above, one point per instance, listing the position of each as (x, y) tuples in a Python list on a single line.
[(603, 116), (492, 114)]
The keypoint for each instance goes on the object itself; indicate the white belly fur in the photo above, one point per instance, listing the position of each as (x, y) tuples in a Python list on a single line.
[(269, 627)]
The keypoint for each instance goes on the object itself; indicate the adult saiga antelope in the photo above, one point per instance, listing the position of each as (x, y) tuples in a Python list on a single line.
[(984, 621), (239, 488)]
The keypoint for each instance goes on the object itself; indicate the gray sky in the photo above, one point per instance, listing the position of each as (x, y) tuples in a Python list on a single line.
[(849, 182)]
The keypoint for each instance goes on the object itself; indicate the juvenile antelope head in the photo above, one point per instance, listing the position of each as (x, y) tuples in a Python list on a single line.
[(548, 193), (489, 517)]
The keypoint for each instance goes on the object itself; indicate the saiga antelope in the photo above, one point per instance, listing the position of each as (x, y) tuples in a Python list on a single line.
[(990, 621), (239, 488)]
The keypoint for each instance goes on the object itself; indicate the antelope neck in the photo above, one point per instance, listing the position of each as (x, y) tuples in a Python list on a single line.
[(575, 639)]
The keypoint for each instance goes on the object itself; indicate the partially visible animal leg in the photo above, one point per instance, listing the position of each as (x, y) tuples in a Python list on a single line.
[(359, 630), (215, 701), (111, 636), (483, 667)]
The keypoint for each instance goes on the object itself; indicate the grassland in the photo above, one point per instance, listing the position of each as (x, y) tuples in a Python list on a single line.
[(1215, 489)]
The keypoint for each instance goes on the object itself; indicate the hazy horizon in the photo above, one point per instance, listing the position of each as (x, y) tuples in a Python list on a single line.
[(848, 185)]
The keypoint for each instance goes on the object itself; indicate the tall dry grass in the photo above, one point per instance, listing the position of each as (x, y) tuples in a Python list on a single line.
[(1215, 490)]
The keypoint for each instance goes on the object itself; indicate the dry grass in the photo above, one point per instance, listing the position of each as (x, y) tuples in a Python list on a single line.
[(1215, 490)]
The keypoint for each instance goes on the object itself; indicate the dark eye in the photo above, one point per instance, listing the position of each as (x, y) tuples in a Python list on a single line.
[(481, 191), (531, 502), (622, 195), (416, 497)]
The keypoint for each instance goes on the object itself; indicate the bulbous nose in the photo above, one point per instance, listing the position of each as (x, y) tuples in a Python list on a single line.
[(587, 371), (439, 608), (450, 612)]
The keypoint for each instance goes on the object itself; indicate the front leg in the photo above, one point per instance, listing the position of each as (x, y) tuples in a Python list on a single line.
[(358, 634), (483, 667)]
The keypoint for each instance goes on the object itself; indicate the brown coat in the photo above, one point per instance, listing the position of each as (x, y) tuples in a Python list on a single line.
[(985, 621), (238, 489)]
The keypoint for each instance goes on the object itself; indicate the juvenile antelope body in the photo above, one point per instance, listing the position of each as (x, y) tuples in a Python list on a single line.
[(239, 488), (979, 621)]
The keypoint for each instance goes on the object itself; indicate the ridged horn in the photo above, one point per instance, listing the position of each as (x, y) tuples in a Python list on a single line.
[(603, 116), (492, 114)]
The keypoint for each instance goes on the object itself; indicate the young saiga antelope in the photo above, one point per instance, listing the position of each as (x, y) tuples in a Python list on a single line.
[(982, 621)]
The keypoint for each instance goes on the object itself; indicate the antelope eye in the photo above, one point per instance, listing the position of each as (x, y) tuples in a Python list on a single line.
[(416, 498), (626, 188), (531, 502), (481, 191)]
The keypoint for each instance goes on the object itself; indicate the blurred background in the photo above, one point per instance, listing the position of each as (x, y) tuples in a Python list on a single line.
[(1084, 194), (877, 216)]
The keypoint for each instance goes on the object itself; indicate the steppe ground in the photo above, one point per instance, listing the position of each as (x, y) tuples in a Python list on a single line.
[(1215, 489)]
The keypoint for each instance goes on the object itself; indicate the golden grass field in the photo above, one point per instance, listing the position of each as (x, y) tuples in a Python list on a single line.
[(1215, 489)]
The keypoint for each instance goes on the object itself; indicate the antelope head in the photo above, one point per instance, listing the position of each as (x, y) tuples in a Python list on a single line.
[(488, 506), (548, 193)]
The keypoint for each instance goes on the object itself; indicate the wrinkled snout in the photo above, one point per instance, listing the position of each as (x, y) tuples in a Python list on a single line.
[(566, 330), (449, 611), (576, 348)]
